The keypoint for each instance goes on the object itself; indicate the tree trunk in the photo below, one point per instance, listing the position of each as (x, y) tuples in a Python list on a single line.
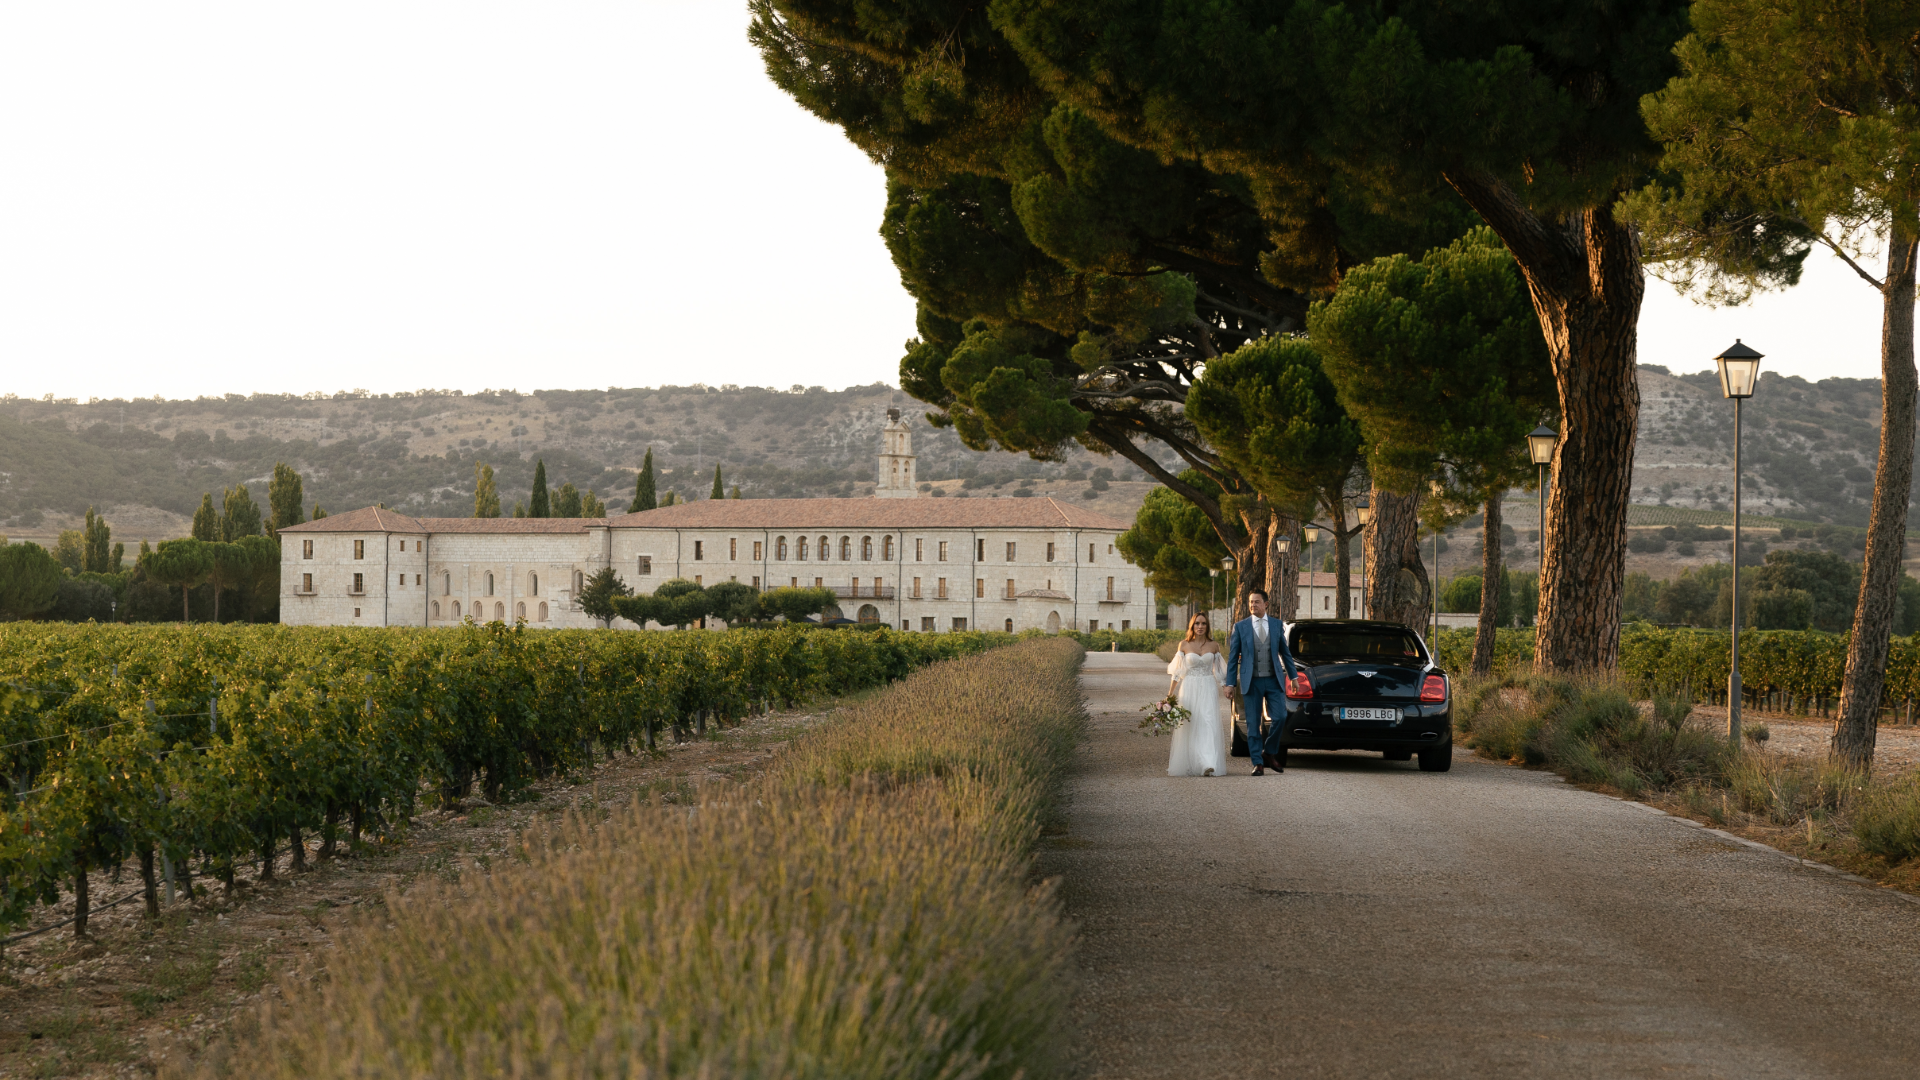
[(1585, 278), (80, 905), (329, 832), (1283, 570), (186, 610), (1397, 587), (266, 858), (1250, 562), (150, 886), (1342, 561), (1857, 726), (299, 846), (1490, 578)]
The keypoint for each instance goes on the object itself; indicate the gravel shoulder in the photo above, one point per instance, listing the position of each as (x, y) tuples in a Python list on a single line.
[(1355, 917)]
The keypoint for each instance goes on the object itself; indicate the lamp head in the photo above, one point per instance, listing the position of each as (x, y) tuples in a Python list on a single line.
[(1739, 370), (1226, 563), (1311, 533), (1283, 545), (1363, 511), (1540, 444)]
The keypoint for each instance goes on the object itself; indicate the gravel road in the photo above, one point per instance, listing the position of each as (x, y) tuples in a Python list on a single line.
[(1356, 917)]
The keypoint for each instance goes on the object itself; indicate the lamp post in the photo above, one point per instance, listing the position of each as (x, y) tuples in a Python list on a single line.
[(1739, 372), (1540, 444), (1226, 586), (1213, 574), (1312, 535), (1363, 513), (1280, 548)]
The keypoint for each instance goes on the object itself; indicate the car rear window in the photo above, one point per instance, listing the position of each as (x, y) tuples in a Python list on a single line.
[(1350, 643)]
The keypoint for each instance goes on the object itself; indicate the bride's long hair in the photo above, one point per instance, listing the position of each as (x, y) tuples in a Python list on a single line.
[(1199, 618)]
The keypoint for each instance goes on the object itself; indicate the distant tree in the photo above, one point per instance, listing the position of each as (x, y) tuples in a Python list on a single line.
[(117, 563), (181, 563), (229, 565), (644, 497), (284, 499), (239, 514), (732, 601), (795, 604), (719, 491), (591, 507), (262, 577), (602, 587), (70, 550), (1831, 585), (81, 600), (319, 511), (29, 580), (1175, 543), (98, 539), (486, 494), (566, 501), (206, 520), (519, 509), (540, 500), (735, 493), (670, 498), (678, 602)]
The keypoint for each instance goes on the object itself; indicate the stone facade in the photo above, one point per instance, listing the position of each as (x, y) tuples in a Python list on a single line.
[(913, 563)]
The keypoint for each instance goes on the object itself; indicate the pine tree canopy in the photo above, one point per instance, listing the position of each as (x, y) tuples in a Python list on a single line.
[(591, 507), (566, 502), (539, 502), (644, 496)]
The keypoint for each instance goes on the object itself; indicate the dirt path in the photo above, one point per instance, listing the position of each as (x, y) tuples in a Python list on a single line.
[(138, 993), (1355, 917)]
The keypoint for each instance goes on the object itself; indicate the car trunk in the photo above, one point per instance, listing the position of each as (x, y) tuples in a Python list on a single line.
[(1360, 682)]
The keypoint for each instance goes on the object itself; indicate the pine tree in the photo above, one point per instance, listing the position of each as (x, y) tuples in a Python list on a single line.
[(591, 507), (486, 494), (206, 521), (318, 512), (719, 490), (669, 499), (284, 497), (539, 502), (566, 501), (239, 514), (519, 509), (735, 493), (644, 497)]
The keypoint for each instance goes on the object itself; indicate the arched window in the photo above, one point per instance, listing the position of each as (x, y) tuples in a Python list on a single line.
[(490, 583), (846, 549), (780, 549), (499, 612), (436, 609), (866, 549), (534, 579), (579, 581), (543, 611), (868, 613), (1053, 622), (800, 551), (886, 549), (520, 611), (446, 584), (825, 551), (456, 609), (1009, 626)]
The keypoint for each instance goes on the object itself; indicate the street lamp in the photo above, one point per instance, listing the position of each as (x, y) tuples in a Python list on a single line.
[(1312, 535), (1363, 513), (1280, 548), (1226, 587), (1739, 373), (1540, 444)]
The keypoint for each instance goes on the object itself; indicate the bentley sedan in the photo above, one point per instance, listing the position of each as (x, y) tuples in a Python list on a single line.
[(1364, 686)]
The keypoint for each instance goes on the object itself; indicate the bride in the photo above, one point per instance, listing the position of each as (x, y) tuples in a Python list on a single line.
[(1200, 744)]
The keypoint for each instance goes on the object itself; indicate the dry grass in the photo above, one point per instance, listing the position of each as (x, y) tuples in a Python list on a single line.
[(862, 910)]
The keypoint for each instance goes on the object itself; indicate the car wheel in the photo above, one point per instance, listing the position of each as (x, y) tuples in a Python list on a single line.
[(1438, 759), (1239, 742), (1397, 755)]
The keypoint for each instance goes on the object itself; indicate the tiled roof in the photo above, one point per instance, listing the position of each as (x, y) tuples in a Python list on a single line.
[(1035, 513), (376, 519)]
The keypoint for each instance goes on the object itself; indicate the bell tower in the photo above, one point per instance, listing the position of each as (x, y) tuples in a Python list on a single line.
[(896, 478)]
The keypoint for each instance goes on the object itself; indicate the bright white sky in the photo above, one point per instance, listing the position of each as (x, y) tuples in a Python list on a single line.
[(202, 198)]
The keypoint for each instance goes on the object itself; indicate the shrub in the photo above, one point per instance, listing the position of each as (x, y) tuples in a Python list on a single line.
[(1591, 731), (1886, 821)]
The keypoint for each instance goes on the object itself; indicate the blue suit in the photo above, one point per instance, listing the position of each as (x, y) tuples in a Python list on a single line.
[(1260, 693)]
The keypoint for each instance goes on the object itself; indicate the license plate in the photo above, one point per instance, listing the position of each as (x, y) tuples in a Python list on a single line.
[(1369, 714)]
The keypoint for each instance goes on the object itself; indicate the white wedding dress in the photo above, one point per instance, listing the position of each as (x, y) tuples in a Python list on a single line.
[(1200, 744)]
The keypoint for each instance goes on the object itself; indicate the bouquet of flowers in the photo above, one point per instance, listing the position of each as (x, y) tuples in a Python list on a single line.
[(1163, 716)]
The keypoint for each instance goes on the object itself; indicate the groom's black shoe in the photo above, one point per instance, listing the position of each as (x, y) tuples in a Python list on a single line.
[(1259, 770), (1272, 762)]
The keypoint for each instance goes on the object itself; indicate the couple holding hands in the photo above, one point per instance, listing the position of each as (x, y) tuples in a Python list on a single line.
[(1257, 665)]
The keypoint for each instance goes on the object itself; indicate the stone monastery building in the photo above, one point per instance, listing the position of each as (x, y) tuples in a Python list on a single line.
[(913, 562)]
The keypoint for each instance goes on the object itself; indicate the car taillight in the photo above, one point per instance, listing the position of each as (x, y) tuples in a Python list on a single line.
[(1434, 689), (1300, 688)]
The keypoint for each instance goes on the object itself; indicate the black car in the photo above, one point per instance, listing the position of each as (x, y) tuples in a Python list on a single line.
[(1364, 686)]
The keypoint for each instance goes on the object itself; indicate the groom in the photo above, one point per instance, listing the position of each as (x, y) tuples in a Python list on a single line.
[(1257, 659)]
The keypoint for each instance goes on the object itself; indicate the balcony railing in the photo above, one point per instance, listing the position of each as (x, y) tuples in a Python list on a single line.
[(1117, 596), (863, 592)]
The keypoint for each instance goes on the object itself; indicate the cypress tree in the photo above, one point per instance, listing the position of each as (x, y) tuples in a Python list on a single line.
[(539, 500), (206, 522), (735, 493), (96, 540), (519, 509), (566, 502), (284, 497), (591, 507), (669, 499), (486, 494), (239, 514), (644, 497), (318, 512), (719, 489)]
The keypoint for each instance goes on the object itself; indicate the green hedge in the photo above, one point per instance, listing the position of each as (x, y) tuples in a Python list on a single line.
[(1804, 665), (225, 740)]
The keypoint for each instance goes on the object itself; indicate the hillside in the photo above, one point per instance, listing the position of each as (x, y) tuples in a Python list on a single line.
[(1810, 449)]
